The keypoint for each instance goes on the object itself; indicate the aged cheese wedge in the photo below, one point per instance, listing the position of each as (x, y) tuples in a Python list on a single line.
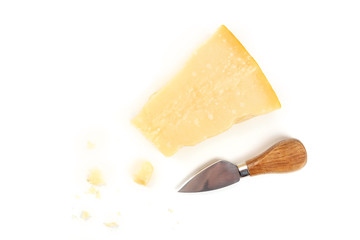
[(220, 85)]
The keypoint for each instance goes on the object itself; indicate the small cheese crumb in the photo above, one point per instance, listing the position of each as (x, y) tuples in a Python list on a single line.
[(210, 116), (143, 173), (95, 177), (94, 191), (85, 215), (170, 210), (111, 224), (90, 145)]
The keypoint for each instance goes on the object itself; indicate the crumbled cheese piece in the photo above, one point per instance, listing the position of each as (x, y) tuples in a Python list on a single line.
[(111, 224), (143, 173), (95, 177), (85, 215), (90, 145), (94, 191)]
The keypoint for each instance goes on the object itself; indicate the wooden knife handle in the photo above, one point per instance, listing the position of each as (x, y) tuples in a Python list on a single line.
[(285, 156)]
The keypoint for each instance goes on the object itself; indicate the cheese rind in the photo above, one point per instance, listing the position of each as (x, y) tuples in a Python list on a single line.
[(220, 85)]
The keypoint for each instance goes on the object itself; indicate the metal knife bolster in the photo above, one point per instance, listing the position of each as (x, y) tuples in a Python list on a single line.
[(243, 170)]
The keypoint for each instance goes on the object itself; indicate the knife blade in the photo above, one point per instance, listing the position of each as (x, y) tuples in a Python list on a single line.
[(285, 156)]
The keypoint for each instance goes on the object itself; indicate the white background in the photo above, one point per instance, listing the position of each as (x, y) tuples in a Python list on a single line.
[(77, 71)]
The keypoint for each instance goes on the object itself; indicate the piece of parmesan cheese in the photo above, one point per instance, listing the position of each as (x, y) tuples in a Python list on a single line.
[(85, 215), (95, 177), (111, 224), (219, 86), (143, 173)]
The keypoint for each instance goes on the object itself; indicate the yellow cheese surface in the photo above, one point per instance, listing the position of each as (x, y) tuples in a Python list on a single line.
[(220, 85)]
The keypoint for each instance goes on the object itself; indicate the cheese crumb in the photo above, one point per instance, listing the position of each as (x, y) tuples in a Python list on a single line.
[(94, 191), (210, 116), (216, 70), (90, 145), (95, 177), (111, 224), (85, 215), (144, 173)]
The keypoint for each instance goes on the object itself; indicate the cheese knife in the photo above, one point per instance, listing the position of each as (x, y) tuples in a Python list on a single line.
[(285, 156)]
